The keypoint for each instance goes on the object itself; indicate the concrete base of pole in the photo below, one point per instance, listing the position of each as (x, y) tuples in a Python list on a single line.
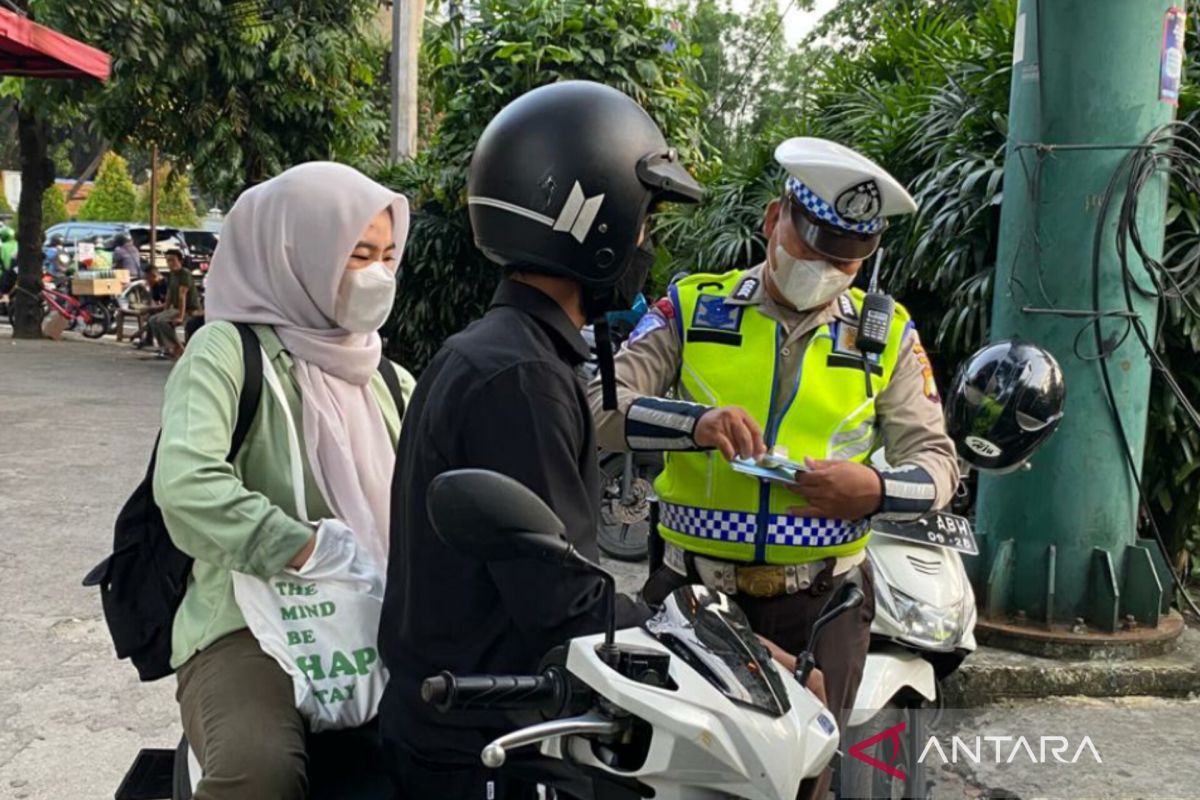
[(990, 674), (1080, 643)]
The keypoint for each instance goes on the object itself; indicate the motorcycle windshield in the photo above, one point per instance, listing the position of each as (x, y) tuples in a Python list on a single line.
[(712, 635)]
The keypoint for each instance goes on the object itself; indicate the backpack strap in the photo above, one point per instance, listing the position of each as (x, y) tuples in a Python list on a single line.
[(388, 371), (251, 386)]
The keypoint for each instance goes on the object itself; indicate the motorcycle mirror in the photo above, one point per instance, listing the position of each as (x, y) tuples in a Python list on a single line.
[(848, 596), (494, 517)]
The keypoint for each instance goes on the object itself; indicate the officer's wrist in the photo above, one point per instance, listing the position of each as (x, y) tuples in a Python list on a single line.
[(882, 492)]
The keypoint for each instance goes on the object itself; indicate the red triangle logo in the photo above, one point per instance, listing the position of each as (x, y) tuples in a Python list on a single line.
[(892, 734)]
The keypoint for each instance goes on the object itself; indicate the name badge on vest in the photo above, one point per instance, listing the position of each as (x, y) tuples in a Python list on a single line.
[(715, 321), (846, 353)]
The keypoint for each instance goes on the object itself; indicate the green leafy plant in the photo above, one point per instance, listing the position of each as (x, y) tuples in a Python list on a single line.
[(54, 207), (240, 89), (475, 67), (175, 206), (113, 196)]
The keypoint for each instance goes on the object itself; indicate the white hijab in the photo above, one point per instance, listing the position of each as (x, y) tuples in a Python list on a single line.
[(283, 250)]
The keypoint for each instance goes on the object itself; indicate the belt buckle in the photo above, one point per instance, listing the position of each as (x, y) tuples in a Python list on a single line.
[(762, 581)]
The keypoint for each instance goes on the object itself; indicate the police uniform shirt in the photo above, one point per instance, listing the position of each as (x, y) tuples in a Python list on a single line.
[(909, 409)]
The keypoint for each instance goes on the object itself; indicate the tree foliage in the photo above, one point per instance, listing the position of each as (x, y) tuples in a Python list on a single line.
[(54, 207), (240, 88), (923, 89), (113, 196), (751, 75), (175, 206), (476, 67)]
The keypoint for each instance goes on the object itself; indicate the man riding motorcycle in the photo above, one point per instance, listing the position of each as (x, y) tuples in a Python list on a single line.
[(559, 188)]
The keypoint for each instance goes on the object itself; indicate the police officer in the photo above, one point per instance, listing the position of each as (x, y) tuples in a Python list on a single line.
[(767, 359), (559, 189)]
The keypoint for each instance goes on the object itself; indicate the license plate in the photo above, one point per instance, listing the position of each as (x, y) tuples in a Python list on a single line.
[(939, 529)]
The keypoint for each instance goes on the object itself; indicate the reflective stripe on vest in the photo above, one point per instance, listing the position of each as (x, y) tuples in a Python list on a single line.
[(731, 357), (737, 526)]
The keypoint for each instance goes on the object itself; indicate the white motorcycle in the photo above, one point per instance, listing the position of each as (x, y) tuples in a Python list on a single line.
[(690, 705), (924, 628)]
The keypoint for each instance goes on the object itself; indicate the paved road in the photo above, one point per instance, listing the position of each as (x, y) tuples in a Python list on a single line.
[(77, 420)]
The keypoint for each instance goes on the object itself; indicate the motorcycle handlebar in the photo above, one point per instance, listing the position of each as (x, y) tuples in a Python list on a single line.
[(547, 692)]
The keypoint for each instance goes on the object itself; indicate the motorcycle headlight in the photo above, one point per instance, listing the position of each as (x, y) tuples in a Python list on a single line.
[(925, 625)]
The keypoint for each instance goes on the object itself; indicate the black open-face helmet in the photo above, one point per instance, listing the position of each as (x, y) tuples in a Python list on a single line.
[(562, 180), (1005, 402)]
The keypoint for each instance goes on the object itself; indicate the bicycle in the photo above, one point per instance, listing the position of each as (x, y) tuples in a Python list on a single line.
[(93, 316)]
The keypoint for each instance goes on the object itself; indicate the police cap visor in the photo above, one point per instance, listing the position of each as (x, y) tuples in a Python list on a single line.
[(828, 241)]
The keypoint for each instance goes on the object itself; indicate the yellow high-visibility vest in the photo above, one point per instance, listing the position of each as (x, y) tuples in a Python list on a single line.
[(730, 357)]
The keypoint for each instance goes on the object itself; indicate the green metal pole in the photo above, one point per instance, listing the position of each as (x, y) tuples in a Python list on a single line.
[(1060, 539)]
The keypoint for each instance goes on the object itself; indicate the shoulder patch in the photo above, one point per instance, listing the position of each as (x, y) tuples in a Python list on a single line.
[(746, 289), (931, 390), (665, 307), (846, 307), (649, 323)]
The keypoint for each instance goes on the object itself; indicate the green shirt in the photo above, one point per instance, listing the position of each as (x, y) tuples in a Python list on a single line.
[(182, 279), (238, 516)]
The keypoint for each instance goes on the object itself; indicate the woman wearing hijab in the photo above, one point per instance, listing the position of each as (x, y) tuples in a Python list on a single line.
[(309, 259)]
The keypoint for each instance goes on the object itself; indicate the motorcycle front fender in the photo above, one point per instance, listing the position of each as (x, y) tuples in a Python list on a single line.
[(887, 674)]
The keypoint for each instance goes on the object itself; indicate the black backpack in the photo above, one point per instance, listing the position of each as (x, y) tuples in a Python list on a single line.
[(142, 583)]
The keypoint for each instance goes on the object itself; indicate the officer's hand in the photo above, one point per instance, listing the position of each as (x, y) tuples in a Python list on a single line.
[(732, 431), (837, 489)]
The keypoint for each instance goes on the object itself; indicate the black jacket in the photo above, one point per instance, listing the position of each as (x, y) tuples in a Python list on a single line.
[(500, 395)]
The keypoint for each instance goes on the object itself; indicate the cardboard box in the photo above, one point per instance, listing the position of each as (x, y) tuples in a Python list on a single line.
[(95, 286)]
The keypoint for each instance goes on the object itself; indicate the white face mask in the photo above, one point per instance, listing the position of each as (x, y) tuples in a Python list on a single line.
[(365, 298), (805, 283)]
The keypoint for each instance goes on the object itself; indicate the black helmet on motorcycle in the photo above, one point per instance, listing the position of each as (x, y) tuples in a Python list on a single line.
[(57, 240), (1005, 402), (562, 180)]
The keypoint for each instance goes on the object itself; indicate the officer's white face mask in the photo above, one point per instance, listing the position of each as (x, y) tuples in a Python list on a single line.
[(807, 283), (365, 298)]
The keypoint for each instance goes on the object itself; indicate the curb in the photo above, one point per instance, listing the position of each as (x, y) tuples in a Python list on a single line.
[(990, 674)]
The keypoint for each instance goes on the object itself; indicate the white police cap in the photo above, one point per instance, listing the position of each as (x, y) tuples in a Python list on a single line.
[(843, 194)]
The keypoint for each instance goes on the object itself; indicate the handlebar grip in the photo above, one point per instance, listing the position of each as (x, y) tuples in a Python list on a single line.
[(447, 692)]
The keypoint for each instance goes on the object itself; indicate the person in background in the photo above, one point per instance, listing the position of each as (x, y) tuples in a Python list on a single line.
[(56, 247), (182, 301), (8, 248), (126, 256), (157, 286), (8, 259)]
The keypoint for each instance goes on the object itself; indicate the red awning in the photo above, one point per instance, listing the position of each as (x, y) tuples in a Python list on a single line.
[(35, 51)]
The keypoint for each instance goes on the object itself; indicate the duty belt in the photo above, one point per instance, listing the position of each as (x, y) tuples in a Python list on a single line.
[(755, 580)]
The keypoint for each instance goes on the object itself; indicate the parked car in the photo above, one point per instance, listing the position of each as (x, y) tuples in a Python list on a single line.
[(74, 232), (199, 246)]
